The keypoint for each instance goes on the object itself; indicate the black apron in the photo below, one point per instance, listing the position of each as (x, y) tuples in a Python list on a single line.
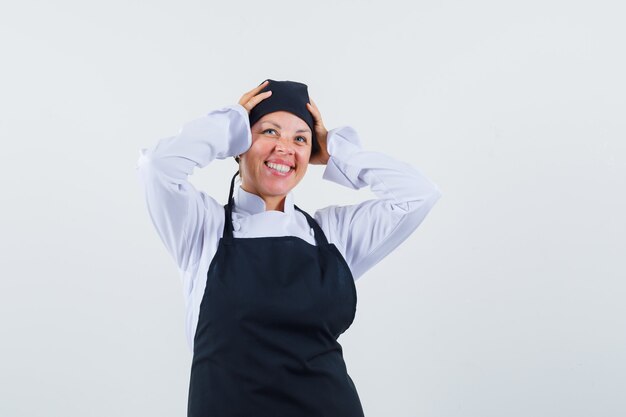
[(266, 341)]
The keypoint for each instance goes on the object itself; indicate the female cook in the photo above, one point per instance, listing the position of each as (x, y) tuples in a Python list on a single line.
[(269, 288)]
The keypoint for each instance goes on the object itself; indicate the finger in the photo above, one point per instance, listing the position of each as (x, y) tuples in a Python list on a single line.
[(258, 87), (258, 98), (247, 96), (312, 109), (254, 91), (314, 105), (316, 113)]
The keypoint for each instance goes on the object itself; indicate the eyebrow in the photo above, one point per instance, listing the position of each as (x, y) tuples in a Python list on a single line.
[(278, 126)]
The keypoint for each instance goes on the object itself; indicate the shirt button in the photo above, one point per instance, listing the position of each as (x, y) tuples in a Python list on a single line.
[(236, 226)]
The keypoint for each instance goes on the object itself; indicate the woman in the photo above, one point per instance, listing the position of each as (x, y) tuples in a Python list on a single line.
[(268, 288)]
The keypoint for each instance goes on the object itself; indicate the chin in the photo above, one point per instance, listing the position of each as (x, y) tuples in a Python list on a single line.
[(278, 187), (277, 192)]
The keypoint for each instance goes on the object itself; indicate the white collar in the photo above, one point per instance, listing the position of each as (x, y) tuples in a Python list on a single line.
[(250, 203)]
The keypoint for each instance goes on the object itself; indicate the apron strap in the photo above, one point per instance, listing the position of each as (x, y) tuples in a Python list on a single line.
[(320, 237), (228, 210)]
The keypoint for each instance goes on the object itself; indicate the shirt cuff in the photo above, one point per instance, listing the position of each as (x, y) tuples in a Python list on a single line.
[(341, 143), (241, 136)]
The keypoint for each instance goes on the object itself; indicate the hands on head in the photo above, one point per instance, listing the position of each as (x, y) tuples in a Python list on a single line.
[(253, 97)]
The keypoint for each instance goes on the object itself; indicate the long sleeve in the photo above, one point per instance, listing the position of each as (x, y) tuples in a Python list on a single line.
[(179, 212), (367, 232)]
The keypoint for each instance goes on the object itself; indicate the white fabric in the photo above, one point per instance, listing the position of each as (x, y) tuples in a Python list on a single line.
[(190, 222)]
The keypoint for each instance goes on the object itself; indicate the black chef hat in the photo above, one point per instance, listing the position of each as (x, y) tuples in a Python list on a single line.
[(288, 96)]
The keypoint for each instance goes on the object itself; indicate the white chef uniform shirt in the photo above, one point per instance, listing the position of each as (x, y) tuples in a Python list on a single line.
[(190, 222)]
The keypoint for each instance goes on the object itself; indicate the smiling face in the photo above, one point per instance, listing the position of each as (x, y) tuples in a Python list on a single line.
[(277, 159)]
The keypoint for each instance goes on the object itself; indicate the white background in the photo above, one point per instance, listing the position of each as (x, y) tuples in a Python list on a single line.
[(507, 301)]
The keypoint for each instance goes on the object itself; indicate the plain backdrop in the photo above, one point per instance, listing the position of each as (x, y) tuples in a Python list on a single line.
[(508, 300)]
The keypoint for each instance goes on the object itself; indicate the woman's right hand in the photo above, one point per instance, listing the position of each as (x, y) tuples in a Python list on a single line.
[(252, 98)]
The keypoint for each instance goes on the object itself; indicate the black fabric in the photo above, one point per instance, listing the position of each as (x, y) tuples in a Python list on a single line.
[(266, 341), (288, 96)]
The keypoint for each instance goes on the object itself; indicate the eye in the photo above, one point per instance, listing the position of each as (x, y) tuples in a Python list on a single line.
[(267, 130), (303, 139)]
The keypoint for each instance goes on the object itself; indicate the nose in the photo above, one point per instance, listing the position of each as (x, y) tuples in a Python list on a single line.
[(285, 146)]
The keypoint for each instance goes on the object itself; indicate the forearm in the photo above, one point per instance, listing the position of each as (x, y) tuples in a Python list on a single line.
[(392, 180), (367, 232), (178, 211), (219, 134)]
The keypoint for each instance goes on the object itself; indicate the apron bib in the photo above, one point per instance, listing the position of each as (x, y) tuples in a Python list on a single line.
[(266, 341)]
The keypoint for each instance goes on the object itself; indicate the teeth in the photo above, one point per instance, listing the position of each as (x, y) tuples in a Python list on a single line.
[(278, 167)]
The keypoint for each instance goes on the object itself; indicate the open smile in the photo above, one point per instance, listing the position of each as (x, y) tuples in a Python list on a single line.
[(279, 169)]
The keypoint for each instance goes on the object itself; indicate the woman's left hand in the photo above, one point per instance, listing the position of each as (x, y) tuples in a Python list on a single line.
[(321, 158)]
